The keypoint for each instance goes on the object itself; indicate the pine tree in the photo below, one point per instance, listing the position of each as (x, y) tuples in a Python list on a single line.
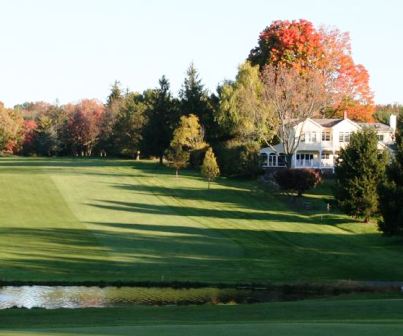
[(177, 157), (162, 116), (359, 170), (210, 169), (194, 98), (391, 192)]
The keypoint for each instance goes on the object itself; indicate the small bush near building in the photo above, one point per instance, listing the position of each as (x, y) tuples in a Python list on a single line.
[(238, 159), (297, 180)]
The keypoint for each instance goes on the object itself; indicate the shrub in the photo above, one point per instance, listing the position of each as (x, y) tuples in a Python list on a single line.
[(297, 180), (209, 168), (238, 159)]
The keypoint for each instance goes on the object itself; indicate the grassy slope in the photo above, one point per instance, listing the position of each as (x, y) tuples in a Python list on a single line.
[(66, 219), (343, 316)]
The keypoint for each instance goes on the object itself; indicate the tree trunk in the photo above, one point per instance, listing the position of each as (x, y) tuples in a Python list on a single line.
[(208, 184), (161, 159), (288, 158), (177, 173)]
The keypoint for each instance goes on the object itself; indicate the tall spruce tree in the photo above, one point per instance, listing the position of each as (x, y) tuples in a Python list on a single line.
[(391, 191), (162, 117), (359, 170), (112, 108), (194, 98)]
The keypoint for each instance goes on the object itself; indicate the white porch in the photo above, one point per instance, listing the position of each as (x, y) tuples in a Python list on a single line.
[(301, 159)]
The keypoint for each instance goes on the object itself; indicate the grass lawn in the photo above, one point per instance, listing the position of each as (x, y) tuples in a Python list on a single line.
[(347, 316), (343, 316), (78, 220)]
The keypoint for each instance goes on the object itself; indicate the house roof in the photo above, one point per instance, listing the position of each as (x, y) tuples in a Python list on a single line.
[(333, 122), (377, 126), (327, 122)]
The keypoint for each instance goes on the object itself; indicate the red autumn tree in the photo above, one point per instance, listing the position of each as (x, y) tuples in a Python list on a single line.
[(83, 125), (28, 139), (300, 45)]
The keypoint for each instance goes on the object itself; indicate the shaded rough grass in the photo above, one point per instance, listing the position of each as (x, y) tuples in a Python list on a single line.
[(348, 315), (74, 220)]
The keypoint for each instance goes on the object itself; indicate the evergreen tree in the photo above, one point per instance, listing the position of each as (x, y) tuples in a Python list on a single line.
[(46, 139), (112, 108), (115, 96), (177, 157), (210, 169), (391, 192), (194, 98), (162, 117), (359, 170), (129, 125)]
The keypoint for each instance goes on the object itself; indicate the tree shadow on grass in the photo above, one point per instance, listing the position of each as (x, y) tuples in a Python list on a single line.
[(240, 201), (136, 252), (178, 210)]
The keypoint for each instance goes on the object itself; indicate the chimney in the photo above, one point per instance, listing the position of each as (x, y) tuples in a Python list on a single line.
[(392, 122), (345, 115)]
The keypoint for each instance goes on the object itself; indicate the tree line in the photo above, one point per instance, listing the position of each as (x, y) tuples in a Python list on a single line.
[(314, 66)]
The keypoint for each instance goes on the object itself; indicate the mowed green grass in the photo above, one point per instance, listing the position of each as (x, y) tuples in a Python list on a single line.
[(110, 220), (347, 316)]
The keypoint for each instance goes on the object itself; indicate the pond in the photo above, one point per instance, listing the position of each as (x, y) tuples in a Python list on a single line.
[(52, 297)]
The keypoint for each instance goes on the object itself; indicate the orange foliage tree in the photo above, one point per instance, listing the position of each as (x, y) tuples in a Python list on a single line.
[(300, 45), (83, 125)]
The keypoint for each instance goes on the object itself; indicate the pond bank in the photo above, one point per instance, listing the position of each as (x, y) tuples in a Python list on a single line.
[(53, 297)]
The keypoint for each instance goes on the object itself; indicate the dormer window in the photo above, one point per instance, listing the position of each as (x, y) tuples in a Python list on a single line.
[(380, 137)]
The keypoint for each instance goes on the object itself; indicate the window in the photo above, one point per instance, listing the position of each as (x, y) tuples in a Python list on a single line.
[(325, 156), (272, 160), (344, 136), (380, 137), (313, 136), (304, 157), (309, 137), (281, 160), (326, 136)]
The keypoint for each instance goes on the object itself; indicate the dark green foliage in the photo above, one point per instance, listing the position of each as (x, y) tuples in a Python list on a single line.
[(359, 170), (238, 159), (391, 192), (115, 96), (129, 125), (383, 112), (298, 180), (177, 158), (46, 141), (114, 103), (194, 99), (162, 117)]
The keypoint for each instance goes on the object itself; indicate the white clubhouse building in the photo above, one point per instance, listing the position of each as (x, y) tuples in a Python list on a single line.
[(321, 141)]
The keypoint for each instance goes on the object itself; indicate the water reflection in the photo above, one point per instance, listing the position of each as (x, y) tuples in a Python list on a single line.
[(82, 297)]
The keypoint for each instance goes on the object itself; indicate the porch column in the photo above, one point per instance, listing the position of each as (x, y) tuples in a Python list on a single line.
[(320, 158)]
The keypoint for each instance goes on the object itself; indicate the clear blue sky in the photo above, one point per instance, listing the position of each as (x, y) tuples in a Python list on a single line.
[(71, 49)]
